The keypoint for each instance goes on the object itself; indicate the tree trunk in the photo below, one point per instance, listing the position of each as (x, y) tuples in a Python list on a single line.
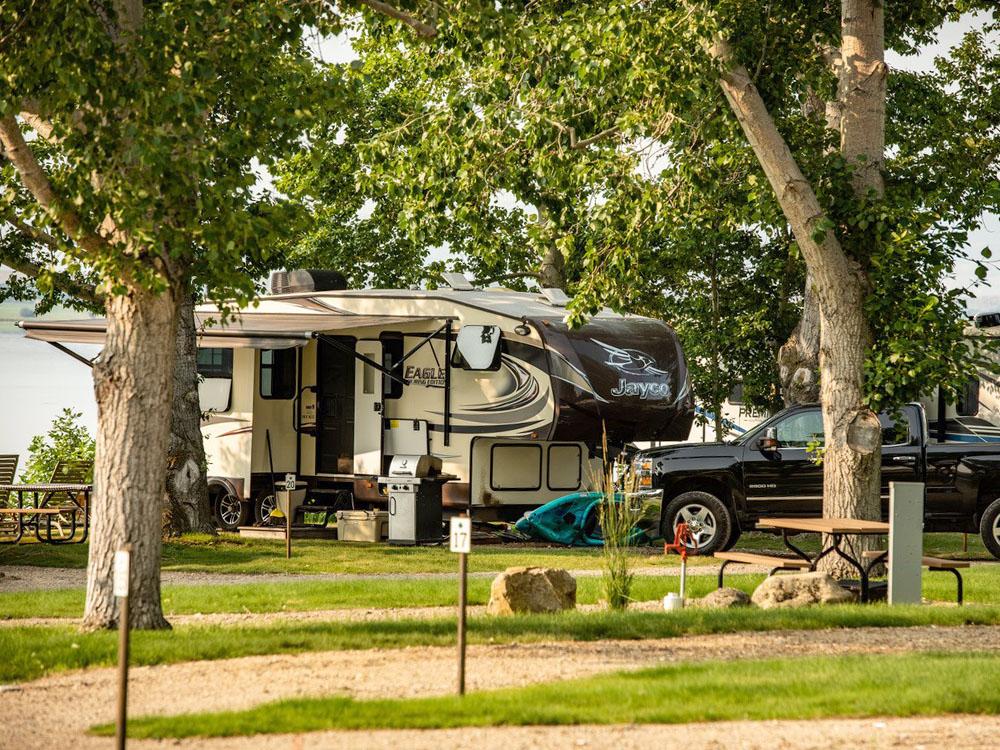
[(133, 383), (853, 438), (852, 463), (186, 508), (798, 358)]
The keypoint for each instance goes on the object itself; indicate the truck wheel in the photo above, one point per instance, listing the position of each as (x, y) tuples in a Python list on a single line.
[(710, 521), (263, 505), (229, 511), (989, 528)]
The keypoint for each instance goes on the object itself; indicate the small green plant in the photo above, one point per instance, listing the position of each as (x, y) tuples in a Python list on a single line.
[(66, 440)]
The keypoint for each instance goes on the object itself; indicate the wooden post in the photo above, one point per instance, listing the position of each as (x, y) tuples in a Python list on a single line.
[(460, 541), (288, 531), (122, 572)]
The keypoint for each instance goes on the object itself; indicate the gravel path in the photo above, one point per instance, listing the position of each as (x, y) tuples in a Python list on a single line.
[(74, 701), (948, 732), (34, 578)]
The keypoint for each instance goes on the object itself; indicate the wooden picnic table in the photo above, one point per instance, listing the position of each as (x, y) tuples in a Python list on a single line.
[(837, 529), (43, 494)]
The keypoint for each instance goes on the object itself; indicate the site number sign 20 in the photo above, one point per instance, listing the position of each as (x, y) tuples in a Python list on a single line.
[(461, 534)]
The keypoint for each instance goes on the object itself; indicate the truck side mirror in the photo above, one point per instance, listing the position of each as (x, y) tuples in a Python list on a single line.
[(769, 443)]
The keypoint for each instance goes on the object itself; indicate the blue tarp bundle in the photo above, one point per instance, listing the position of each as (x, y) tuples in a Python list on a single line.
[(574, 520)]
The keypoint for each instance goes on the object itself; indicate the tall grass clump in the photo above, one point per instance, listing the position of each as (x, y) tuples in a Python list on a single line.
[(617, 522)]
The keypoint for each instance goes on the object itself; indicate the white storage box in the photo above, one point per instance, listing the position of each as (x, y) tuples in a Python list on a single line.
[(362, 525)]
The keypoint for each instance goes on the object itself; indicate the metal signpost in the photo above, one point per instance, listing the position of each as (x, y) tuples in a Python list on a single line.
[(460, 541), (120, 590)]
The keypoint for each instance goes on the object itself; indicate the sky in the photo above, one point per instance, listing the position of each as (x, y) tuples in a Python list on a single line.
[(338, 50)]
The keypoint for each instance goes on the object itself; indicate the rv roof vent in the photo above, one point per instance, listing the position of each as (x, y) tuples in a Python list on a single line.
[(311, 280), (987, 320), (555, 297), (458, 282)]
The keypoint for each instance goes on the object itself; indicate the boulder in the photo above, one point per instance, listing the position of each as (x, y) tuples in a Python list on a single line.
[(800, 590), (724, 598), (532, 589)]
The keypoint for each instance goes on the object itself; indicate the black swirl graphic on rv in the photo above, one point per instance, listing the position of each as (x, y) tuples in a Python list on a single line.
[(524, 408), (524, 391)]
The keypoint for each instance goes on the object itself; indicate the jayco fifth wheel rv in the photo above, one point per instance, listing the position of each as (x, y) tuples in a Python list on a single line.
[(329, 384)]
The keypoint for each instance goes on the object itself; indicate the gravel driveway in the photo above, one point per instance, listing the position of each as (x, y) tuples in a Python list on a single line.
[(55, 711)]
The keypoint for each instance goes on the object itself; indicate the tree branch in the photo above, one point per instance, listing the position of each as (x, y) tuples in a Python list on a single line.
[(34, 179), (425, 30), (61, 280), (510, 277)]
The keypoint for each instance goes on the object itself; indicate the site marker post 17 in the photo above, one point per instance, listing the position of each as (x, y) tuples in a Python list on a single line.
[(120, 588), (460, 541)]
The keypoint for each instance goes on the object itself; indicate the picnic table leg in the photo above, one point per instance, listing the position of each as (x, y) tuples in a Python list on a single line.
[(862, 570), (722, 570), (796, 550), (86, 517), (958, 582)]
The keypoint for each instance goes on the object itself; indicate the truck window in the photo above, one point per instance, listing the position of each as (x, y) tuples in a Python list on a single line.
[(277, 373), (799, 430)]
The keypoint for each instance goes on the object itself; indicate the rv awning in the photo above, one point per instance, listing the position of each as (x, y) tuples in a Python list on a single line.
[(248, 331)]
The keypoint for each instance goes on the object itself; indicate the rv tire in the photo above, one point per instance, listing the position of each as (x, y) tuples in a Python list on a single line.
[(263, 504), (708, 517), (228, 511), (989, 528)]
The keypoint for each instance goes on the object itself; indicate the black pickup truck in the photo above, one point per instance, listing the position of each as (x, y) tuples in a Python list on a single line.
[(723, 489)]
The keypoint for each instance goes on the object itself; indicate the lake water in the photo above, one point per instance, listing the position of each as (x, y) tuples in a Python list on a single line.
[(37, 381)]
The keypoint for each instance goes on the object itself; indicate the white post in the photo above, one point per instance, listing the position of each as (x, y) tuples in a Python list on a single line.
[(906, 541)]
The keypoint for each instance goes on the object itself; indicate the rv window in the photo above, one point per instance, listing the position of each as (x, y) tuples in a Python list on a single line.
[(392, 352), (215, 363), (516, 467), (478, 348), (736, 395), (565, 467), (277, 373), (968, 400)]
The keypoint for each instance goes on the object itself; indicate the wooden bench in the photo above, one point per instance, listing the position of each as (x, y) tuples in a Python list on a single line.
[(933, 564), (756, 558)]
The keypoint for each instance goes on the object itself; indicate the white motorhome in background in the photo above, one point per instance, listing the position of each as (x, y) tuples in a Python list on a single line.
[(330, 383)]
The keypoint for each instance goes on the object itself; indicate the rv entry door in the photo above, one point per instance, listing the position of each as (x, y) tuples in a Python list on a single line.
[(335, 407), (368, 411)]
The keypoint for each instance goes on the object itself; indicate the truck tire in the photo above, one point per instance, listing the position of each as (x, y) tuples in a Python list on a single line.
[(710, 521), (989, 528)]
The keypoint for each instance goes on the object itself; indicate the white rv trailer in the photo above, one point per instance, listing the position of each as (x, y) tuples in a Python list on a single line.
[(329, 383)]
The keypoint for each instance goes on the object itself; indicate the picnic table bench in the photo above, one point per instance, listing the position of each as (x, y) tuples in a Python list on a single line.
[(933, 564), (774, 562)]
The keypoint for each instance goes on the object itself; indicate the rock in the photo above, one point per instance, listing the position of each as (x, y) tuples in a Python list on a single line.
[(800, 590), (532, 589), (722, 599)]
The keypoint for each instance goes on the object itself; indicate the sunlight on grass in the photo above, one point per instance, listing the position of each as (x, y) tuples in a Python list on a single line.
[(30, 652), (850, 686)]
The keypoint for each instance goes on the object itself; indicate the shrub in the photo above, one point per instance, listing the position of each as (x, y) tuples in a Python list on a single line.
[(66, 440)]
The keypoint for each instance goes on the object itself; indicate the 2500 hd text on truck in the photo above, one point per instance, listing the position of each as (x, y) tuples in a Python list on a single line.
[(723, 489)]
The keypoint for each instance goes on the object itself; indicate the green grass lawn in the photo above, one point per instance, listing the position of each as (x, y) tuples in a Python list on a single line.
[(297, 596), (30, 652), (808, 688), (982, 586), (228, 553)]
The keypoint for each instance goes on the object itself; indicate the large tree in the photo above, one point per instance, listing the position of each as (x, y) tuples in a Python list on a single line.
[(877, 177), (135, 129)]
